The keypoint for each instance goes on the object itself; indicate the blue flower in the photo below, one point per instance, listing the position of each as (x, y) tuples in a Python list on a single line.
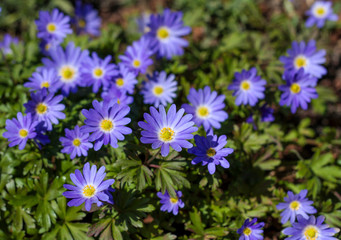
[(319, 13), (160, 89), (125, 80), (53, 26), (298, 90), (267, 114), (20, 129), (207, 107), (167, 32), (250, 230), (170, 204), (296, 205), (210, 151), (5, 44), (305, 56), (45, 107), (310, 229), (167, 129), (115, 95), (248, 87), (96, 72), (44, 78), (75, 143), (41, 138), (67, 63), (47, 45), (106, 121), (87, 19), (89, 189)]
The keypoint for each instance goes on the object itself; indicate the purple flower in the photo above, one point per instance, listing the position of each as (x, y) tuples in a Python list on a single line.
[(248, 87), (45, 107), (167, 129), (267, 114), (137, 57), (113, 94), (96, 72), (305, 56), (125, 79), (167, 31), (87, 19), (47, 45), (19, 130), (143, 22), (41, 138), (207, 107), (319, 12), (53, 26), (44, 78), (250, 230), (310, 229), (75, 143), (298, 90), (160, 89), (210, 151), (296, 205), (171, 204), (67, 64), (89, 189), (106, 121), (5, 44)]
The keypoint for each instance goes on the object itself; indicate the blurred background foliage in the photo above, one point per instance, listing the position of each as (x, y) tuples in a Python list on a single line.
[(296, 151)]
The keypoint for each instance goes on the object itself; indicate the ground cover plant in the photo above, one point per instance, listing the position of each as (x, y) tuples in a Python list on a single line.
[(170, 120)]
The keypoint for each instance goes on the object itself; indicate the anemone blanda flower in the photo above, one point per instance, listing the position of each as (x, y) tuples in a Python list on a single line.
[(44, 78), (319, 13), (143, 22), (211, 151), (45, 107), (20, 129), (53, 26), (169, 203), (296, 205), (47, 45), (41, 138), (125, 79), (86, 19), (248, 87), (137, 57), (89, 187), (207, 107), (305, 56), (310, 229), (298, 90), (251, 230), (106, 121), (113, 94), (167, 129), (167, 31), (75, 142), (67, 63), (5, 44), (267, 114), (160, 89), (96, 72)]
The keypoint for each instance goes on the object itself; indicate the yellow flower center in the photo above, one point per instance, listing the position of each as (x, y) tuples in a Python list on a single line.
[(174, 200), (47, 46), (136, 63), (245, 85), (118, 101), (203, 111), (106, 125), (89, 191), (76, 142), (294, 205), (119, 82), (300, 61), (166, 134), (81, 23), (51, 27), (158, 90), (211, 152), (162, 33), (23, 133), (295, 88), (67, 73), (320, 11), (98, 72), (247, 231), (45, 84), (41, 108), (310, 233)]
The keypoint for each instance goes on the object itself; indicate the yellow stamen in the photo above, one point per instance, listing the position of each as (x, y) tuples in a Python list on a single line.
[(98, 72), (67, 73), (118, 101), (162, 33), (247, 231), (203, 111), (76, 142), (89, 191), (295, 88), (106, 125), (311, 233), (166, 134), (51, 27), (211, 152), (47, 46), (81, 23), (45, 84), (119, 82), (158, 90), (320, 11), (245, 85), (294, 205), (300, 61), (41, 108), (136, 63), (174, 200), (23, 133)]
